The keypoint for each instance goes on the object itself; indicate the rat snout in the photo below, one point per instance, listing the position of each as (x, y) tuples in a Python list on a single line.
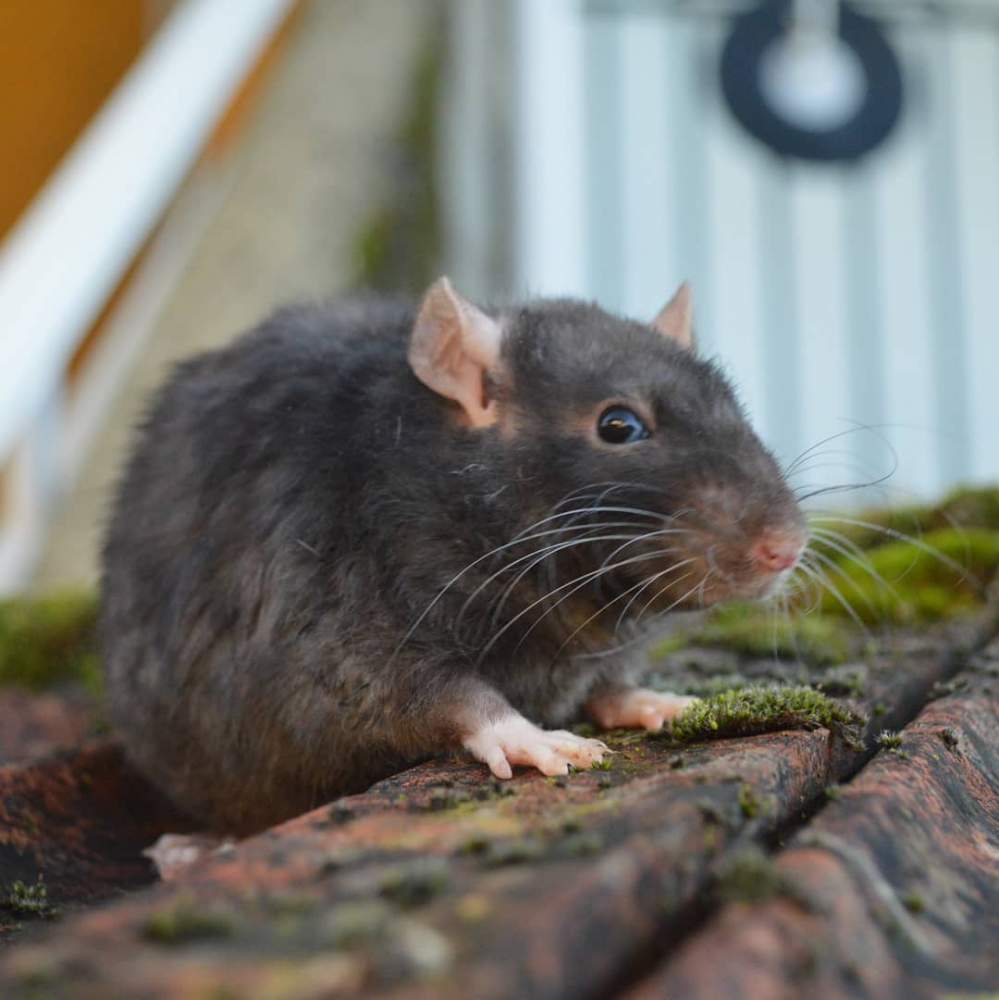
[(775, 551)]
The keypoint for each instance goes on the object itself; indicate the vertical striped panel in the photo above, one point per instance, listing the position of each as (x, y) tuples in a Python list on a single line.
[(689, 191), (733, 330), (820, 238), (976, 134), (605, 136), (860, 334), (550, 254), (903, 317), (650, 266), (466, 168), (945, 272), (782, 404)]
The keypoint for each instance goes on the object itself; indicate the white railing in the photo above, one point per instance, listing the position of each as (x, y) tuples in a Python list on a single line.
[(72, 247)]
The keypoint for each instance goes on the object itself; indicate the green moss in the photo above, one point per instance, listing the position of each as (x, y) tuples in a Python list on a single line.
[(48, 640), (475, 844), (949, 737), (887, 740), (185, 920), (668, 646), (763, 709), (415, 884), (749, 877), (844, 681), (941, 576), (758, 631), (750, 802), (914, 902), (513, 852), (31, 900), (447, 798), (579, 844), (357, 923)]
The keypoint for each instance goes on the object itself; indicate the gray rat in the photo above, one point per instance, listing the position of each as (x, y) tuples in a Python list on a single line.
[(369, 532)]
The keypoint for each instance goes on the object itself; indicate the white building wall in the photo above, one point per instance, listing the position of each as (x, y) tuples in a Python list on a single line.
[(836, 296)]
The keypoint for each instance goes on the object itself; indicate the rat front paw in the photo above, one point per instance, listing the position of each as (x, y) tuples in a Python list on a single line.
[(636, 708), (514, 740)]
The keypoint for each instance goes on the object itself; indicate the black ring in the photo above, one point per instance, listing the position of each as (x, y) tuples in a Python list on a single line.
[(741, 58)]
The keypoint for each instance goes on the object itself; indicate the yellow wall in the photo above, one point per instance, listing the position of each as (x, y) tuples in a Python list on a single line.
[(59, 59)]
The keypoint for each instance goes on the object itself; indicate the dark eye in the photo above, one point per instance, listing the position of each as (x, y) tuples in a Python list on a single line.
[(619, 425)]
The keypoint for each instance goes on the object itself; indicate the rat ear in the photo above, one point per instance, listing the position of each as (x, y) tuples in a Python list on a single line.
[(453, 346), (676, 318)]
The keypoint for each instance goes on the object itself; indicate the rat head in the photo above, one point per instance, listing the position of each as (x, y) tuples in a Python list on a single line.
[(633, 453)]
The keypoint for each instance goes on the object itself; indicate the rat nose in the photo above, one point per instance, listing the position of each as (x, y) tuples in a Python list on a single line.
[(778, 551)]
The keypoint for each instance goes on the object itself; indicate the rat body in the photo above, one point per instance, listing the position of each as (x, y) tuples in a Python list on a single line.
[(364, 534)]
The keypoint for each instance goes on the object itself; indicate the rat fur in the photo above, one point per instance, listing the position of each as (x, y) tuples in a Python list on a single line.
[(298, 596)]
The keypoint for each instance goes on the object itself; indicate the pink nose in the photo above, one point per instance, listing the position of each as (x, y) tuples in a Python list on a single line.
[(774, 553)]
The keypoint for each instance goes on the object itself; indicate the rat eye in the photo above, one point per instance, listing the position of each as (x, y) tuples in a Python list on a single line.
[(619, 425)]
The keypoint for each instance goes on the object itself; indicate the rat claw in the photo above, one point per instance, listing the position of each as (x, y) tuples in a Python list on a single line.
[(498, 763), (514, 740)]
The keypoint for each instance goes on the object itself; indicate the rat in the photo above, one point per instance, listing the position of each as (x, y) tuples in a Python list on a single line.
[(372, 532)]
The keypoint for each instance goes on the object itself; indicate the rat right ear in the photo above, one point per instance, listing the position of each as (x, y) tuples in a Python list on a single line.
[(676, 318), (453, 347)]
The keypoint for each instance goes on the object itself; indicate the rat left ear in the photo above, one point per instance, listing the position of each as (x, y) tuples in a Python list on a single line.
[(453, 347), (676, 318)]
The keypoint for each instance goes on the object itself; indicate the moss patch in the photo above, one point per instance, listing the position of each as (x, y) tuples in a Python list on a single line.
[(943, 575), (49, 640), (186, 920), (758, 631), (964, 508), (749, 877), (936, 558), (30, 900), (764, 709), (415, 884)]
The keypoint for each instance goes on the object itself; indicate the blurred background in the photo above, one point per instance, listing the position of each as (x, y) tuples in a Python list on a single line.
[(826, 175)]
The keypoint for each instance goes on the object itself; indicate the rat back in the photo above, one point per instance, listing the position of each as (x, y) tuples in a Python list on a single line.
[(236, 557)]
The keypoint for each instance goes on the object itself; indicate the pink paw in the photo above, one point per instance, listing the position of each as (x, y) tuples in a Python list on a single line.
[(636, 708), (514, 740), (174, 853)]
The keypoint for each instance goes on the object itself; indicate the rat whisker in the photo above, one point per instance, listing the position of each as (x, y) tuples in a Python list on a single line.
[(450, 583), (918, 543), (595, 510), (678, 601), (577, 583), (554, 550), (845, 487), (818, 444), (584, 580), (648, 536), (834, 567), (856, 429), (823, 580), (849, 550), (539, 555), (642, 584)]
